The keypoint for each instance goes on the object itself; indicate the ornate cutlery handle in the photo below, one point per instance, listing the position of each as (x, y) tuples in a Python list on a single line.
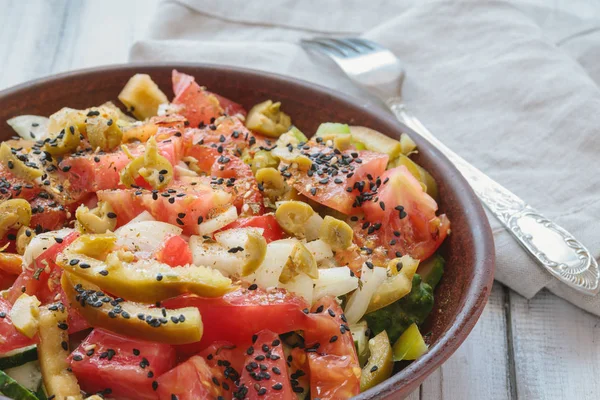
[(554, 248)]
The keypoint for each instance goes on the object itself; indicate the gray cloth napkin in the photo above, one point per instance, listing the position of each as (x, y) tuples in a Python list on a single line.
[(509, 86)]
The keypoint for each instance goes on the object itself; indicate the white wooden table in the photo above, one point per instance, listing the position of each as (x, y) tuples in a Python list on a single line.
[(539, 349)]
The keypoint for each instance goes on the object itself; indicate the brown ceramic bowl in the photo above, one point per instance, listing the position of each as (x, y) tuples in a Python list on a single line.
[(469, 250)]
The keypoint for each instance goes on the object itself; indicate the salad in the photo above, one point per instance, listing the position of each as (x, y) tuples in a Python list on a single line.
[(189, 249)]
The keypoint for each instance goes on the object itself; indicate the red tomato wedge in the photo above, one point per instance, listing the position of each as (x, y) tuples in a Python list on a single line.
[(230, 174), (226, 362), (191, 380), (265, 372), (181, 205), (334, 368), (174, 251), (230, 107), (199, 105), (408, 216), (33, 280), (10, 338), (120, 367), (12, 187), (229, 134), (47, 214), (247, 311), (89, 172), (337, 184), (268, 222)]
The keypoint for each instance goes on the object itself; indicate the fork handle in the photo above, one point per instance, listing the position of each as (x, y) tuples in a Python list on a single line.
[(552, 246)]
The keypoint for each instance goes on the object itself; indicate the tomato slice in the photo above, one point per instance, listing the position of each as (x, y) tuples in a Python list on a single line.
[(10, 338), (182, 204), (199, 105), (336, 185), (12, 187), (175, 251), (120, 367), (191, 380), (265, 373), (409, 224), (226, 362), (230, 107), (247, 312), (268, 222), (34, 279), (334, 368), (47, 214)]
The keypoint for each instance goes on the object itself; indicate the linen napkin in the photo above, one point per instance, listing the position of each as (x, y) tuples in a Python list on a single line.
[(502, 83)]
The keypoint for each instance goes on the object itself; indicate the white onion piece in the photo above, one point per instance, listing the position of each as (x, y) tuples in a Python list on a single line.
[(24, 126), (41, 243), (267, 274), (218, 222), (312, 227), (182, 169), (319, 249), (144, 238), (301, 285), (215, 256), (359, 300), (334, 282), (236, 237), (144, 216)]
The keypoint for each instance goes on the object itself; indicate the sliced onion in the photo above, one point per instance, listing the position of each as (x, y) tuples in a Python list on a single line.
[(142, 217), (359, 300), (236, 237), (319, 249), (30, 127), (215, 256), (41, 243), (267, 275), (334, 282), (312, 227), (183, 170), (301, 285), (218, 222), (144, 238)]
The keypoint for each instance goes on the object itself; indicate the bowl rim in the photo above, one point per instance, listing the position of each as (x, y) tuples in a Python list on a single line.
[(483, 248)]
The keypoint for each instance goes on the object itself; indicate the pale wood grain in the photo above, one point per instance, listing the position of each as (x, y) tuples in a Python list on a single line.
[(40, 37), (480, 367), (557, 352)]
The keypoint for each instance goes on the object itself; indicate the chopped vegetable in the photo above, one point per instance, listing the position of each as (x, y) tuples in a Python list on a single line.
[(14, 214), (10, 387), (360, 334), (266, 118), (132, 319), (292, 216), (410, 345), (142, 96), (25, 313), (376, 141), (301, 260), (53, 350), (18, 357), (358, 302), (380, 364), (97, 220), (29, 127), (397, 285), (151, 168), (144, 280), (418, 172), (397, 317), (336, 233), (432, 269)]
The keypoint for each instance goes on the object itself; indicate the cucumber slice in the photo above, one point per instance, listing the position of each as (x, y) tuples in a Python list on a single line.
[(40, 393), (376, 141), (332, 128), (13, 389), (18, 357), (432, 269), (361, 341), (27, 375)]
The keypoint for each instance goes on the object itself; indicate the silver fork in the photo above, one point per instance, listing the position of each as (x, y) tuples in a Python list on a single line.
[(379, 71)]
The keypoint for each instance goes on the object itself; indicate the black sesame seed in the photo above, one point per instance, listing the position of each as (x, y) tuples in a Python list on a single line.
[(374, 368)]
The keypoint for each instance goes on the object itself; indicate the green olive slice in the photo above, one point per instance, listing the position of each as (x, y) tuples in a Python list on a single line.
[(336, 233), (292, 216)]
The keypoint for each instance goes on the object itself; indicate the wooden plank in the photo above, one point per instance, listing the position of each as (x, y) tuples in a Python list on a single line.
[(557, 352), (48, 37), (480, 368)]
